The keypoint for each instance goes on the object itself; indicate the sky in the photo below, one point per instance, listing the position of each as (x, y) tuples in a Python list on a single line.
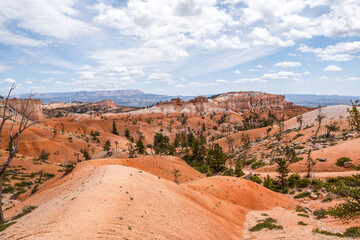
[(181, 47)]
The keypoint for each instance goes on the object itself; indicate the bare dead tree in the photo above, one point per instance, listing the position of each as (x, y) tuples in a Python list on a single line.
[(299, 120), (62, 127), (17, 127), (6, 114), (319, 118), (230, 142), (55, 131), (84, 128)]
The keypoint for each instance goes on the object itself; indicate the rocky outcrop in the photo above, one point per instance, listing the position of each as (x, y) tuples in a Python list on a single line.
[(66, 109), (34, 110), (235, 101), (252, 101)]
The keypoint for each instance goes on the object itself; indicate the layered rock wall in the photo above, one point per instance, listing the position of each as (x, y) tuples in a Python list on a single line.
[(34, 110), (252, 101), (235, 101)]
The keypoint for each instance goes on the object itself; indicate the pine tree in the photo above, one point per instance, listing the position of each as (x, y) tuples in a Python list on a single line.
[(127, 133), (216, 158), (238, 168), (309, 163), (140, 147), (283, 170), (44, 155), (268, 183), (85, 154), (354, 118), (114, 129), (332, 127), (161, 144), (107, 146)]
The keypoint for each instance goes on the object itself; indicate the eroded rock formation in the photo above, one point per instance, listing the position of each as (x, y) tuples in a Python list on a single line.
[(235, 101), (34, 110)]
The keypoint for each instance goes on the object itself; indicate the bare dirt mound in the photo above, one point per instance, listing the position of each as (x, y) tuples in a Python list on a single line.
[(161, 166), (332, 113), (112, 202), (331, 154), (289, 220), (238, 196)]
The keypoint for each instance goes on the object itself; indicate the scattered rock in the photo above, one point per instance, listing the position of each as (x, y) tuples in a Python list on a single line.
[(313, 196), (308, 191), (348, 164), (322, 159)]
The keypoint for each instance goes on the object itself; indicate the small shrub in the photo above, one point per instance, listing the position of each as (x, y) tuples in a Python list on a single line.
[(352, 232), (251, 161), (5, 225), (256, 179), (320, 213), (340, 162), (48, 176), (23, 184), (302, 195), (303, 215), (317, 230), (299, 147), (258, 164), (267, 223), (300, 209), (302, 223), (25, 210)]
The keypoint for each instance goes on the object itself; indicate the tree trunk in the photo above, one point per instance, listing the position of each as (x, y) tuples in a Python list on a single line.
[(1, 212), (315, 137)]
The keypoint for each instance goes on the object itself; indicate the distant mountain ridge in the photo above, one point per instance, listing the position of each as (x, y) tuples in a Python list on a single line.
[(138, 98), (128, 98), (312, 100)]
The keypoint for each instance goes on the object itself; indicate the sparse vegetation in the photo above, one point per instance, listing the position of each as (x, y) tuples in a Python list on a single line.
[(340, 162), (44, 155), (267, 223)]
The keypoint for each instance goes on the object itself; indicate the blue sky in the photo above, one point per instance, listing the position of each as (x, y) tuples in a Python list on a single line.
[(181, 47)]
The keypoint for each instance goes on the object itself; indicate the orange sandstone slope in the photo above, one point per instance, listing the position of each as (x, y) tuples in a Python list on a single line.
[(100, 201), (161, 166)]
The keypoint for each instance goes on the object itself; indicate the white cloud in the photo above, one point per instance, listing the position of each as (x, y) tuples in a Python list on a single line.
[(287, 64), (222, 81), (56, 19), (4, 68), (195, 84), (247, 80), (161, 77), (52, 72), (352, 79), (28, 82), (253, 70), (237, 72), (298, 80), (9, 38), (332, 68), (8, 80), (261, 36), (259, 66), (48, 80), (231, 42), (279, 75), (342, 51)]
